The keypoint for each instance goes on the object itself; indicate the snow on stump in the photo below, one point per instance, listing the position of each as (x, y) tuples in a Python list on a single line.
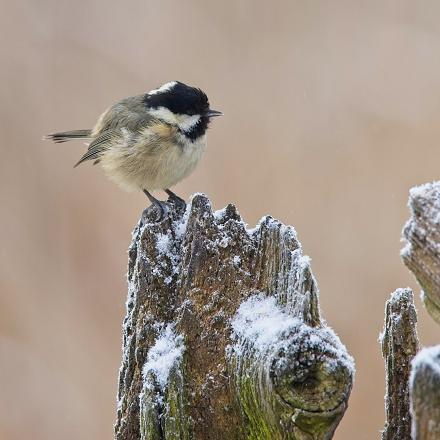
[(421, 253), (425, 394), (223, 337)]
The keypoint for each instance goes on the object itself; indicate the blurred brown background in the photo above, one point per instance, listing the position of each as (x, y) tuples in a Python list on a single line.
[(332, 113)]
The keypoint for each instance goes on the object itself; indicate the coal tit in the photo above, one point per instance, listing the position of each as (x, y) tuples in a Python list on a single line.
[(150, 141)]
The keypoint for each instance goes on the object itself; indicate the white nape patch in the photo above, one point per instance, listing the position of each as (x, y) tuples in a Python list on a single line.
[(163, 88), (184, 122), (164, 114)]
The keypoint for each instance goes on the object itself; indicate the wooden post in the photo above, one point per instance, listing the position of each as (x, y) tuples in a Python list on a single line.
[(223, 337), (421, 255), (399, 346)]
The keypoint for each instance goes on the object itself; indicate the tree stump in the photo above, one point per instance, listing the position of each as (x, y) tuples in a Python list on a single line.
[(223, 337)]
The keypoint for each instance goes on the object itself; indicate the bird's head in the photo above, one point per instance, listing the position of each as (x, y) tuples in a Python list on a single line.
[(183, 106)]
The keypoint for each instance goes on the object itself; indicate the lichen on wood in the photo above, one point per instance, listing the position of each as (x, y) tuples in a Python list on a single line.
[(421, 253), (234, 314), (399, 346)]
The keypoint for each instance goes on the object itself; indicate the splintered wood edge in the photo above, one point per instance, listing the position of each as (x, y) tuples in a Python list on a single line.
[(421, 234)]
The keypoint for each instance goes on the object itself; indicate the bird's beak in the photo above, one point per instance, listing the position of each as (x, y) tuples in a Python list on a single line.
[(212, 113)]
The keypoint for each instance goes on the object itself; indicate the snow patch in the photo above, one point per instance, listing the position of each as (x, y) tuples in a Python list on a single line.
[(260, 320), (236, 260), (304, 262), (166, 351), (220, 214), (163, 243), (180, 226), (168, 246)]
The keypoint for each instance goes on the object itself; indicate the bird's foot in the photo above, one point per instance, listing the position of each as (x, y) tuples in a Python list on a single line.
[(176, 200), (161, 208)]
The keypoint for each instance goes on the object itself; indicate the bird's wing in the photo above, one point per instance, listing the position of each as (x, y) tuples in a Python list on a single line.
[(99, 144), (129, 115)]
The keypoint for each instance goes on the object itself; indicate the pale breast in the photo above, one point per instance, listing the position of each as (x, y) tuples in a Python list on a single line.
[(156, 158)]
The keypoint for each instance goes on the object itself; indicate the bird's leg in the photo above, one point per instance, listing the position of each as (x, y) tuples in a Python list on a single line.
[(161, 206), (179, 202)]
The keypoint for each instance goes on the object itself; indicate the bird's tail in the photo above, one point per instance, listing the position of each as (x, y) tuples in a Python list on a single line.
[(65, 136)]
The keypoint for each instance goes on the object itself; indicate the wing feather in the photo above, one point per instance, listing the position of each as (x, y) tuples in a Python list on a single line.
[(129, 114), (98, 146)]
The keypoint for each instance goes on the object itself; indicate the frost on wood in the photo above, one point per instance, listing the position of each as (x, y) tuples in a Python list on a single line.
[(223, 337), (421, 253), (399, 346), (286, 371), (425, 394)]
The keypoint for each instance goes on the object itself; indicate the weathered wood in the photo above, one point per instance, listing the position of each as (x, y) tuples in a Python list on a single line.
[(425, 394), (399, 346), (421, 253), (223, 337)]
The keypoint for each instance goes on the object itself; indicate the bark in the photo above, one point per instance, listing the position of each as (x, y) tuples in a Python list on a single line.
[(422, 251), (223, 337), (425, 394), (399, 346)]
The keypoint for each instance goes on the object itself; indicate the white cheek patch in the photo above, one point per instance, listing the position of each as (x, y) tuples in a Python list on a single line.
[(186, 123), (163, 88)]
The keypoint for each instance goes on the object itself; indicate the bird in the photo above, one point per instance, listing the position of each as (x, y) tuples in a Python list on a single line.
[(149, 141)]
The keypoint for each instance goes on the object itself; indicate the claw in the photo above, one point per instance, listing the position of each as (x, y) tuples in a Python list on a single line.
[(161, 207), (174, 198)]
